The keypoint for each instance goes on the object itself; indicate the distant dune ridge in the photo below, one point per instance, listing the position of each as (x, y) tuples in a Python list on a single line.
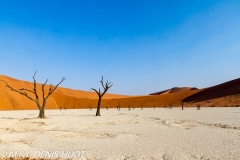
[(226, 94), (174, 90)]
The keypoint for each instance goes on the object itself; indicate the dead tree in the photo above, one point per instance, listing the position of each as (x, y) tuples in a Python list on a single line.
[(129, 107), (182, 105), (198, 106), (100, 95), (170, 106), (108, 105), (40, 106), (118, 106)]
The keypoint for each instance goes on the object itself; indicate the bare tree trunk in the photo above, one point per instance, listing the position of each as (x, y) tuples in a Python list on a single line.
[(100, 95), (99, 106), (41, 113)]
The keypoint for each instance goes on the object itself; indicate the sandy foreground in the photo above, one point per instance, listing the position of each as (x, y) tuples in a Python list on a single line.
[(209, 133)]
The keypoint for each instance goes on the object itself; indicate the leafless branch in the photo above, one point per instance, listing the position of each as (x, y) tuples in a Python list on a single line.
[(34, 91), (22, 93), (43, 92), (98, 92), (23, 89), (100, 95), (35, 86), (53, 88), (102, 83), (34, 75)]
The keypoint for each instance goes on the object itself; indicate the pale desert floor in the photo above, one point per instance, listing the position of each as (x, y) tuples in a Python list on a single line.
[(209, 133)]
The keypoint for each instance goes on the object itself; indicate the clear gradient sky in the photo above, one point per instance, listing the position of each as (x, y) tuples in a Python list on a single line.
[(141, 46)]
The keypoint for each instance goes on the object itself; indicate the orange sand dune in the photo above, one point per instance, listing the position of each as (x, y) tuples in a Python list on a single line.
[(12, 100), (174, 90), (67, 98), (227, 94), (138, 101), (86, 94), (153, 100)]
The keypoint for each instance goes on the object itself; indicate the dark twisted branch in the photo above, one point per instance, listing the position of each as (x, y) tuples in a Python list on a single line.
[(18, 91), (43, 92), (35, 87), (23, 89), (105, 87), (102, 83), (96, 91), (34, 91), (53, 88), (100, 95)]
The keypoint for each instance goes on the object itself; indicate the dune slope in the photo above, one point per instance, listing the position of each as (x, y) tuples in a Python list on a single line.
[(174, 90), (227, 89), (12, 100), (226, 94)]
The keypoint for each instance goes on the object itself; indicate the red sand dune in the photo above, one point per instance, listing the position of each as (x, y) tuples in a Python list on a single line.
[(12, 100), (227, 94), (138, 101), (174, 90)]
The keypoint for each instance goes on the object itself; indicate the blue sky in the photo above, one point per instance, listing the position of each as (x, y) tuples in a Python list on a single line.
[(140, 46)]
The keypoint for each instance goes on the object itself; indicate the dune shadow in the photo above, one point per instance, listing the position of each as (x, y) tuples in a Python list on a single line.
[(222, 90)]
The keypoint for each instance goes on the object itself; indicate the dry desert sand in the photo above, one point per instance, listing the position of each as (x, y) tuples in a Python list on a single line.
[(160, 134)]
